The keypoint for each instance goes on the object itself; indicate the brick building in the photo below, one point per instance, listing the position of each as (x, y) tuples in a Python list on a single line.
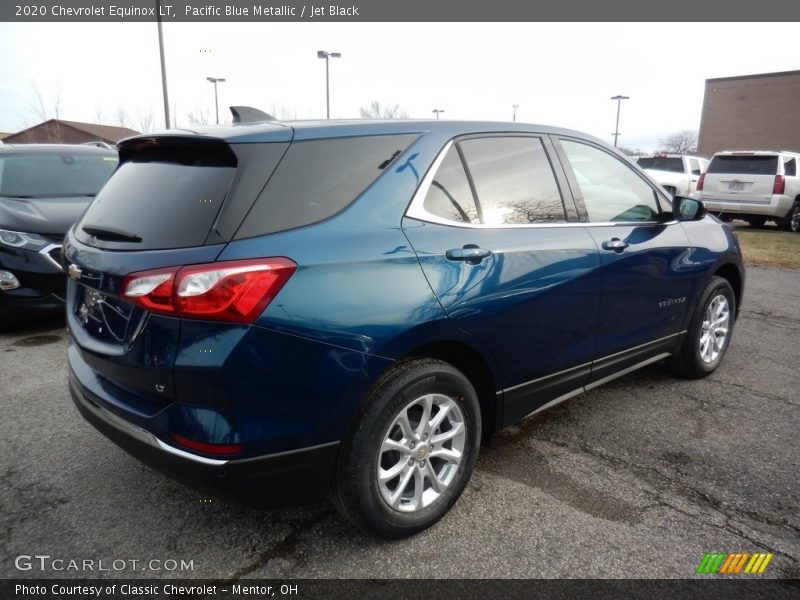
[(58, 131), (751, 112)]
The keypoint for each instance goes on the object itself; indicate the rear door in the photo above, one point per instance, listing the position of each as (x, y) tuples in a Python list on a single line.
[(740, 177), (645, 255), (509, 262)]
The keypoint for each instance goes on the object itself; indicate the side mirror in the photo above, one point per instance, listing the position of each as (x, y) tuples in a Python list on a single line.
[(687, 209)]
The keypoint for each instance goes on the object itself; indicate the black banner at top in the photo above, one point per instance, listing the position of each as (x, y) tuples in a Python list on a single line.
[(395, 11)]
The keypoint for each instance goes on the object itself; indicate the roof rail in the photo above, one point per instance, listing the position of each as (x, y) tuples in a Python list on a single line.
[(248, 114)]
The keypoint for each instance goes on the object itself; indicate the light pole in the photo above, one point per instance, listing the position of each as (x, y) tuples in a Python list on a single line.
[(163, 65), (327, 56), (619, 100), (515, 107), (215, 81), (437, 111)]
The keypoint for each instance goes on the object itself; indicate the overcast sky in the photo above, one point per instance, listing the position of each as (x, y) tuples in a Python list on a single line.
[(558, 74)]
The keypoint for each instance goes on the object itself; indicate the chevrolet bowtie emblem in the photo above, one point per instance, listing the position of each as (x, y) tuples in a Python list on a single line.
[(74, 271)]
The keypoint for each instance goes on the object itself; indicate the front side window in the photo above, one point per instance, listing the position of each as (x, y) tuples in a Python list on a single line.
[(612, 191)]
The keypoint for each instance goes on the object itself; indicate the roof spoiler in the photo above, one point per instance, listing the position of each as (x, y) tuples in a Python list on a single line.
[(248, 114)]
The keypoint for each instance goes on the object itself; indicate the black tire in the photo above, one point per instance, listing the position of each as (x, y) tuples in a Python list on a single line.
[(693, 359), (757, 222), (357, 491), (792, 221)]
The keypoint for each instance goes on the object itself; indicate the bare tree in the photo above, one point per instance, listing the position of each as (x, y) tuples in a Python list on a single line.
[(682, 142), (121, 116), (283, 112), (38, 106), (145, 120), (377, 111), (99, 115), (630, 152), (199, 116), (58, 101)]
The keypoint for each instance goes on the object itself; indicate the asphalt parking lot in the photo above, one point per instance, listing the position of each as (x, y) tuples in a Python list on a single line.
[(637, 479)]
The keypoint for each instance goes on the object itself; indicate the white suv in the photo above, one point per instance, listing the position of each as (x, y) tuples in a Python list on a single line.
[(756, 186), (677, 173)]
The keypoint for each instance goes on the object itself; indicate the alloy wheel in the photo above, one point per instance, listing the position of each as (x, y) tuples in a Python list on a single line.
[(714, 329), (421, 452)]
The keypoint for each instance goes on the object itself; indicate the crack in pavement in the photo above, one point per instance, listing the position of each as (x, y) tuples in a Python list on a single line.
[(750, 390), (286, 547), (691, 494)]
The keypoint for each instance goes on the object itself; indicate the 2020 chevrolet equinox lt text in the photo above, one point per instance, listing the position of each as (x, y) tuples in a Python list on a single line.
[(295, 308)]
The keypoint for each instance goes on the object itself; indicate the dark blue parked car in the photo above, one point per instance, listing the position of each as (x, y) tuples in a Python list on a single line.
[(290, 309)]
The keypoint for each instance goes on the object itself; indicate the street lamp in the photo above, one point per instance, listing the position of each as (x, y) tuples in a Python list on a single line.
[(437, 111), (619, 100), (326, 56), (515, 107), (215, 81), (163, 65)]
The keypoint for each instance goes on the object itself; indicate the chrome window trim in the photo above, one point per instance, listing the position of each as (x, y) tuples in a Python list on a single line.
[(45, 252), (416, 209)]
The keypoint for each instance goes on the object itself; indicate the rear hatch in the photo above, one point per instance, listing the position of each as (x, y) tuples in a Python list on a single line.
[(175, 200), (144, 260), (741, 177)]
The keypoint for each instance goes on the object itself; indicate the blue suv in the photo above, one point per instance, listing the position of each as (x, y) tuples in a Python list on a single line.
[(279, 310)]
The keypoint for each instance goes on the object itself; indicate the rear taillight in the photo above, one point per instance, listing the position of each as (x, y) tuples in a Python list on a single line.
[(700, 182), (779, 186), (234, 291), (206, 448)]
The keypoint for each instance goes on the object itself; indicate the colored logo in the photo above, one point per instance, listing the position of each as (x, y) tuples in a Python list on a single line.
[(723, 563)]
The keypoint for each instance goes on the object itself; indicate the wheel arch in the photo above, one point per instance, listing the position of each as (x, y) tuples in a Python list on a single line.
[(733, 276), (475, 367)]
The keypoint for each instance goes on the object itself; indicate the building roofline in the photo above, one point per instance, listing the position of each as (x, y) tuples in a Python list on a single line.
[(756, 76)]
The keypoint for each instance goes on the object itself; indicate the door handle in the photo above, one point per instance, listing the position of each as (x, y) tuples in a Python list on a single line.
[(615, 244), (470, 254)]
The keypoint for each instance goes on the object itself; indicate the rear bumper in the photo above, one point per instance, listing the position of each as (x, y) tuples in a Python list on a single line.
[(777, 207), (273, 480)]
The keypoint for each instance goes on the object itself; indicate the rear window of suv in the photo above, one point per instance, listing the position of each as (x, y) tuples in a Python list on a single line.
[(662, 163), (744, 164), (317, 179), (166, 193)]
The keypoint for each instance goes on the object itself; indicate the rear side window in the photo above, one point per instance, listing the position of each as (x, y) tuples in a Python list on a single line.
[(450, 196), (317, 179), (514, 182), (52, 175), (662, 163), (790, 167), (744, 164)]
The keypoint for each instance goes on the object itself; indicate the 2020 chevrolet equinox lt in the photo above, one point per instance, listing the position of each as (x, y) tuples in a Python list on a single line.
[(287, 309)]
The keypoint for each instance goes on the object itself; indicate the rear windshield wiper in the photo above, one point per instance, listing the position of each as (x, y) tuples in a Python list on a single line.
[(111, 234)]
